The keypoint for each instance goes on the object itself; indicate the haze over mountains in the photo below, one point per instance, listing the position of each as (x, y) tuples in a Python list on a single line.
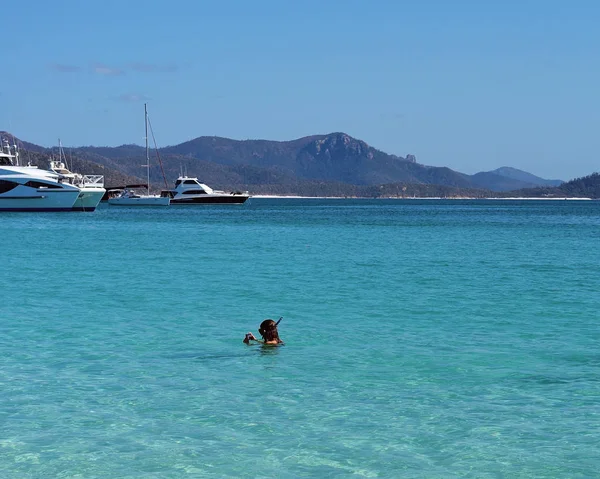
[(263, 166)]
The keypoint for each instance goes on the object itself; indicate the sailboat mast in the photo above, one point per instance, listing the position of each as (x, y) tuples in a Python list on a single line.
[(61, 154), (147, 153)]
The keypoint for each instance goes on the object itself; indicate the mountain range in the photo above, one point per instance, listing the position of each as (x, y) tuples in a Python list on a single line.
[(335, 157), (331, 163)]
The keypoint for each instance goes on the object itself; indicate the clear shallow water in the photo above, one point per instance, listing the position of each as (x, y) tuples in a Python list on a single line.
[(425, 339)]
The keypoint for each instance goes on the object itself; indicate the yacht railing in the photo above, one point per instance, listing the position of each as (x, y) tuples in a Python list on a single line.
[(93, 180)]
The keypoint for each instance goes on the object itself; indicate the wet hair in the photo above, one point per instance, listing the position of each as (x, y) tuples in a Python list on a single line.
[(268, 330)]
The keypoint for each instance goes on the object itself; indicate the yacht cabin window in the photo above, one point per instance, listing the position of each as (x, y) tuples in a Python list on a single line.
[(7, 186), (40, 184), (193, 192)]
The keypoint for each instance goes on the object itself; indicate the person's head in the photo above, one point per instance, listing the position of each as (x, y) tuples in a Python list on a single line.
[(268, 330)]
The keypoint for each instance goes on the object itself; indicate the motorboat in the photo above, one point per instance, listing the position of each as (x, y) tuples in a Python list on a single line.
[(188, 190), (91, 186), (28, 188), (129, 197)]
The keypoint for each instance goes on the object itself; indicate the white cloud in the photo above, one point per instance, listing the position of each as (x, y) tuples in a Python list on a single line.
[(102, 69), (153, 68), (131, 98)]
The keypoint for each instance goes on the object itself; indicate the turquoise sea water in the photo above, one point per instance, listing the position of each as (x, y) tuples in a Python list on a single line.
[(424, 339)]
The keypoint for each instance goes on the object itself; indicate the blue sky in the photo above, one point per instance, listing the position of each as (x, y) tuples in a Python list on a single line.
[(468, 84)]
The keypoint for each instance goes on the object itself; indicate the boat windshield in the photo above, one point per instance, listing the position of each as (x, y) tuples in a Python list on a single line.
[(186, 182)]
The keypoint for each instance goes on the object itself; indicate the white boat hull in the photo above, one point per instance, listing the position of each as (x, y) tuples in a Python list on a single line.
[(88, 199), (23, 198), (139, 201)]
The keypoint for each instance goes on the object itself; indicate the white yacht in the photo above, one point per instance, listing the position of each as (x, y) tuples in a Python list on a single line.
[(189, 190), (27, 188), (128, 197), (91, 186)]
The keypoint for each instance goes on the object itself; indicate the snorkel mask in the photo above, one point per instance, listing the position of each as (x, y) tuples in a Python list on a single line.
[(268, 328)]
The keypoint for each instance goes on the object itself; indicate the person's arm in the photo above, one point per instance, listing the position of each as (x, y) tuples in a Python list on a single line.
[(249, 337)]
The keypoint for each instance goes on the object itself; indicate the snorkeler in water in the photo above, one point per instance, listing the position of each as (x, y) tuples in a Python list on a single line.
[(269, 333)]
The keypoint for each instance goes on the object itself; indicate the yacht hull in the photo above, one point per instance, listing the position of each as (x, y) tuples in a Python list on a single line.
[(88, 199), (139, 201), (40, 201), (214, 200)]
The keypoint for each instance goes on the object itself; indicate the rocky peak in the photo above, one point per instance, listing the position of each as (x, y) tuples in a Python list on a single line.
[(341, 142)]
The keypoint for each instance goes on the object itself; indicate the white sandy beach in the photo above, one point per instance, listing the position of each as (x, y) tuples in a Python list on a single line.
[(414, 198)]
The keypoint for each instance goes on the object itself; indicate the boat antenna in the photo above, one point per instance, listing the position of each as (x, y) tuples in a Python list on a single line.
[(16, 148)]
